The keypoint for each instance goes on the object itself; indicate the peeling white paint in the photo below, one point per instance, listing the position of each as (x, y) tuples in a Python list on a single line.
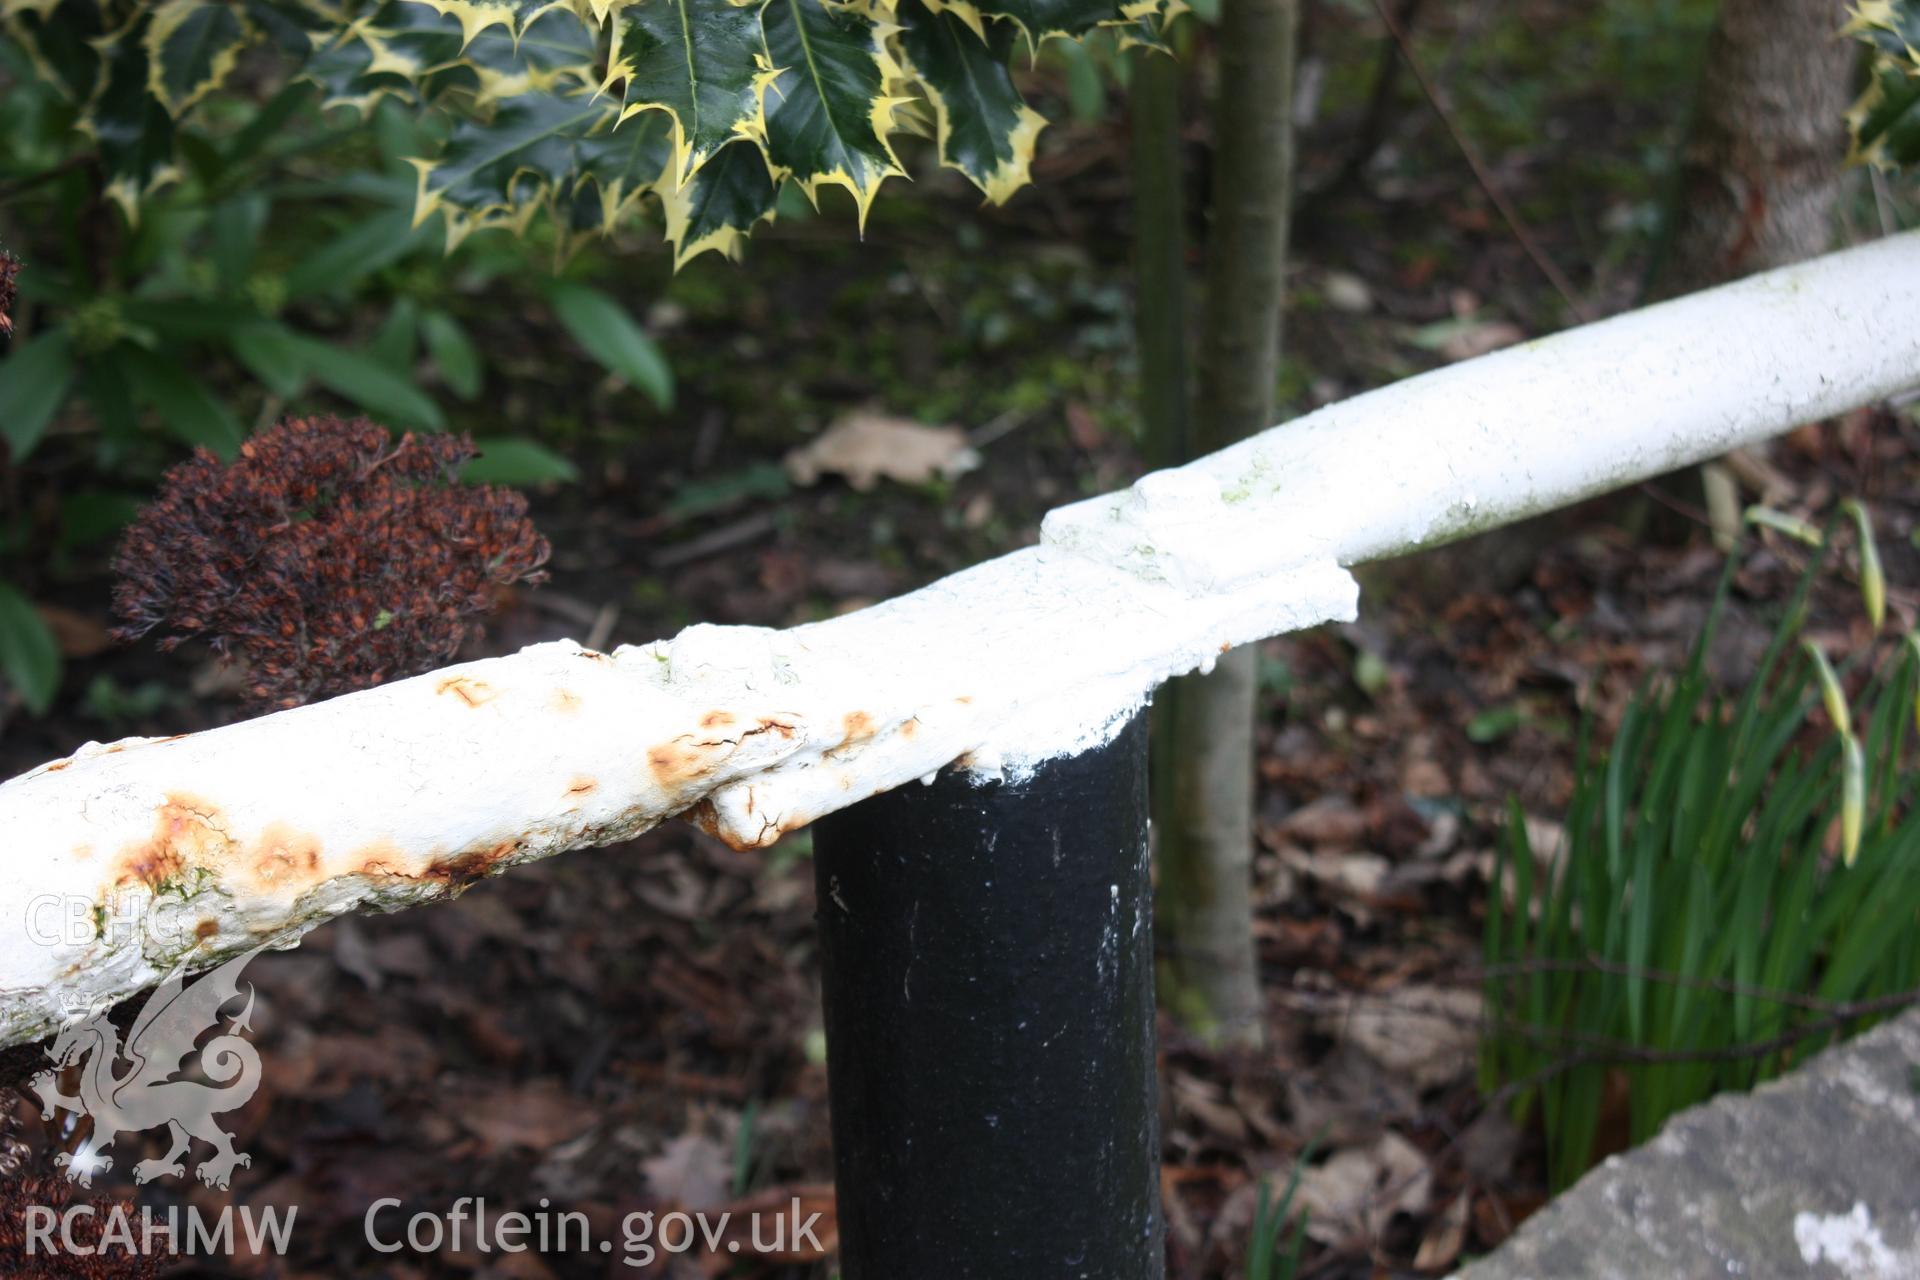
[(264, 830)]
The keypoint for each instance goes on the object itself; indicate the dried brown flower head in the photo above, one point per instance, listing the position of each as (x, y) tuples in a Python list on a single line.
[(9, 275), (328, 555), (102, 1259)]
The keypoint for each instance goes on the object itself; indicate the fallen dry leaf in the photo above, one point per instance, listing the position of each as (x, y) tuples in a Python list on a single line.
[(694, 1172), (1427, 1034), (1329, 821), (1445, 1236), (538, 1116), (1353, 1194), (865, 446)]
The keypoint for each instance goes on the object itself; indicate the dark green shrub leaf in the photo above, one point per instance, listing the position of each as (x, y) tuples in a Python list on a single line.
[(33, 381), (187, 409), (178, 318), (453, 353), (399, 338), (384, 394), (29, 658), (108, 388), (94, 515), (272, 354), (516, 462), (356, 252), (611, 336)]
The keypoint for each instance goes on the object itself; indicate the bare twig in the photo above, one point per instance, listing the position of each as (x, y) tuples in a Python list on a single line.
[(1481, 174)]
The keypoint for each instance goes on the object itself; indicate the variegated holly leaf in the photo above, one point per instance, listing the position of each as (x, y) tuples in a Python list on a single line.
[(828, 113), (717, 102), (1891, 26), (297, 27), (985, 130), (612, 171), (62, 38), (549, 52), (1886, 118), (129, 125), (402, 49), (508, 17), (191, 47), (703, 63), (720, 204), (1042, 20), (498, 170)]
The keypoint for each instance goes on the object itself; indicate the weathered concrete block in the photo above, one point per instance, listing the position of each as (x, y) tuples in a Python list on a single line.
[(1816, 1175)]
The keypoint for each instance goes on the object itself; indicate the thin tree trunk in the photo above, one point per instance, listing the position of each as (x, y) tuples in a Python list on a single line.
[(1208, 973), (1159, 257), (1759, 175)]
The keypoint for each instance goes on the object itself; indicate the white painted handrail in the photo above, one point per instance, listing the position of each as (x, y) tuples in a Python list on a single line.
[(126, 860)]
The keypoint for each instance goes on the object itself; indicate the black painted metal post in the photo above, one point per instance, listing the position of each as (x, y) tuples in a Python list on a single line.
[(989, 1007)]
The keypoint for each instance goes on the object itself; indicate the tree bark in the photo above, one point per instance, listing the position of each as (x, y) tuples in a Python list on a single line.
[(1159, 257), (1758, 176), (1208, 969)]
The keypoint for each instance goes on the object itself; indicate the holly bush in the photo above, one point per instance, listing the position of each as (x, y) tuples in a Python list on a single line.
[(1886, 119), (581, 109)]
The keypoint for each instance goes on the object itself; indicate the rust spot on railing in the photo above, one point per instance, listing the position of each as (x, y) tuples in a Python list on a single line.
[(286, 856), (682, 760), (688, 756), (205, 929), (565, 701), (186, 830), (475, 693), (582, 787), (380, 858), (58, 765), (463, 869)]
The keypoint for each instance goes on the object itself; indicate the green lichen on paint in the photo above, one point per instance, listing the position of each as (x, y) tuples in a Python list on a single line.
[(1258, 476)]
